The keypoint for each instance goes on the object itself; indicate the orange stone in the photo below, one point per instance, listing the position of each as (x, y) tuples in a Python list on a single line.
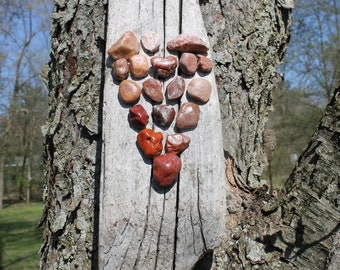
[(139, 66), (125, 47), (150, 142), (166, 169), (129, 91)]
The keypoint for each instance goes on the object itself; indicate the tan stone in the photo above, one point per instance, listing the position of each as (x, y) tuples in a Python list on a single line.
[(199, 89), (125, 47), (139, 66), (129, 91)]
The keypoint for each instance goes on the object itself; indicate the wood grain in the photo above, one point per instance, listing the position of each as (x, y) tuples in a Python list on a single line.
[(142, 226)]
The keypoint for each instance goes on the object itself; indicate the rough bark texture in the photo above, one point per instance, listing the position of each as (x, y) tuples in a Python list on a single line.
[(73, 139)]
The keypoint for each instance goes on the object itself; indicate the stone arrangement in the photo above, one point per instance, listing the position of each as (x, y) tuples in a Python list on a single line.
[(129, 62)]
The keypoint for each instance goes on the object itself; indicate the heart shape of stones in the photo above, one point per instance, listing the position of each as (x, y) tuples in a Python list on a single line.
[(128, 61)]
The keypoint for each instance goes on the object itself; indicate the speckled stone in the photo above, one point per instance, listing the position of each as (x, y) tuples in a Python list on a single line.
[(199, 89), (129, 91), (188, 63), (152, 88), (138, 117), (187, 43), (139, 66), (164, 66), (163, 115), (150, 41), (166, 169), (177, 143), (205, 64), (175, 88), (188, 116), (150, 142), (120, 69), (125, 47)]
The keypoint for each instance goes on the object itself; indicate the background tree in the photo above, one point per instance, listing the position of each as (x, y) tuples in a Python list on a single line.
[(313, 58), (21, 53)]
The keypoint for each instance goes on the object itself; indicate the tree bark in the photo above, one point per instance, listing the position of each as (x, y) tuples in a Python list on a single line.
[(248, 41)]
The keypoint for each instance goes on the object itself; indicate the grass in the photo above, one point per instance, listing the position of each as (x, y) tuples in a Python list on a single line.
[(20, 240)]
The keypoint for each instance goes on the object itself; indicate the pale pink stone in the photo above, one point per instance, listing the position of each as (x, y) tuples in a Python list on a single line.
[(187, 43), (150, 41), (199, 89)]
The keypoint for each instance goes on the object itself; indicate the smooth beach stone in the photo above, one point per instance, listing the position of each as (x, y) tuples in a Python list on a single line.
[(150, 142), (138, 117), (120, 69), (129, 91), (166, 169), (150, 41), (188, 63), (177, 143), (187, 43), (175, 88), (164, 66), (199, 89), (152, 88), (205, 64), (139, 66), (188, 116), (163, 115), (125, 47)]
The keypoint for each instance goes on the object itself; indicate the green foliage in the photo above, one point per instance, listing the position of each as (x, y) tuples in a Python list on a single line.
[(20, 240), (294, 119)]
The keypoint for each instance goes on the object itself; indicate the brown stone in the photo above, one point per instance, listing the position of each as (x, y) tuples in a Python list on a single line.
[(129, 91), (120, 69), (163, 115), (139, 66), (150, 41), (177, 143), (166, 169), (150, 142), (138, 117), (205, 64), (175, 88), (187, 43), (152, 88), (188, 116), (164, 66), (199, 89), (125, 47), (188, 63)]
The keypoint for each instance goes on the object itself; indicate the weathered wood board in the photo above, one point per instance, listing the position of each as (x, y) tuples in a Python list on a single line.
[(141, 226)]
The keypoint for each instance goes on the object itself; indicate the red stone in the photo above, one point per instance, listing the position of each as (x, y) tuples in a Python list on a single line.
[(166, 169), (139, 66), (205, 64), (188, 63), (164, 66), (138, 117), (175, 88), (150, 142), (129, 91), (199, 89), (188, 116), (120, 69), (187, 43), (125, 47), (177, 143), (152, 88), (163, 115)]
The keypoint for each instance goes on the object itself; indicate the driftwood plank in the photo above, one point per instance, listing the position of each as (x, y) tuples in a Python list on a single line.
[(141, 226)]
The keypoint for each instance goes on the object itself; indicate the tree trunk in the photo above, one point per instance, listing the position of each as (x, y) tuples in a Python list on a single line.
[(248, 40)]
